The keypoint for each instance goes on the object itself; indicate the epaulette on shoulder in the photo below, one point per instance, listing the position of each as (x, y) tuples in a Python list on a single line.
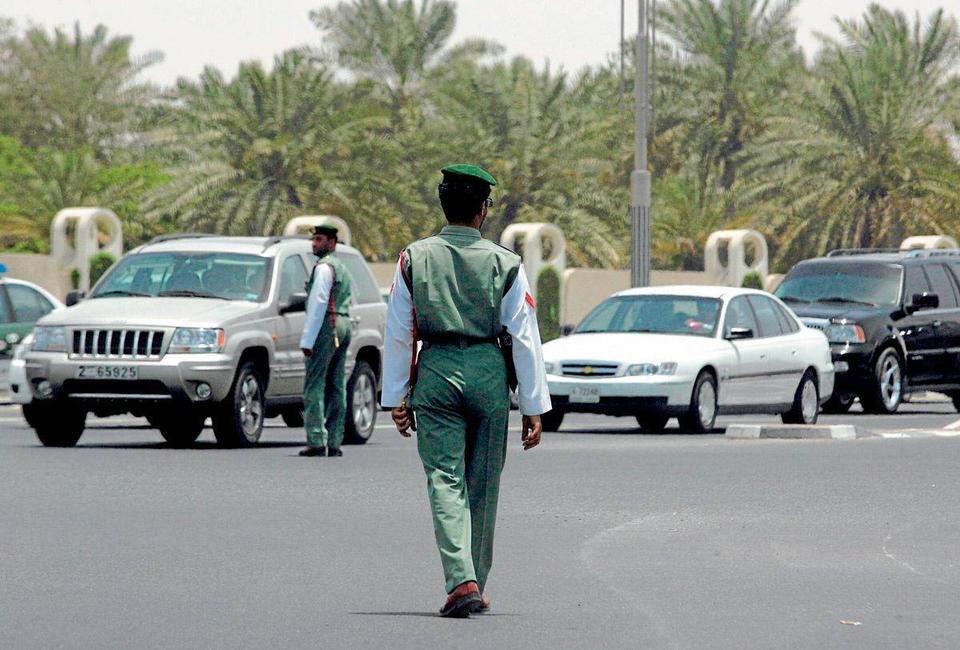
[(504, 248)]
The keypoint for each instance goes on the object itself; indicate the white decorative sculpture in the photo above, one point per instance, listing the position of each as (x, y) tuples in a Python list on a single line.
[(304, 224), (87, 224), (928, 241), (530, 237), (736, 267)]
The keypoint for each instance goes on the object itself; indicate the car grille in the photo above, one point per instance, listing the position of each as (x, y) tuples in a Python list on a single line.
[(117, 344), (111, 388), (816, 323), (589, 370)]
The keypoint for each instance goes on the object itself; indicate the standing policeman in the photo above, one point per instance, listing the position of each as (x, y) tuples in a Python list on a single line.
[(326, 337), (457, 292)]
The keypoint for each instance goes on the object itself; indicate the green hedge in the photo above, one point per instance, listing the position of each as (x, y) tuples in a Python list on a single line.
[(548, 304), (752, 280), (99, 264)]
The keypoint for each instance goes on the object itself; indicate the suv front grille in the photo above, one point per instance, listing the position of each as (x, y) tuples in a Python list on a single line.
[(816, 323), (117, 344), (587, 370)]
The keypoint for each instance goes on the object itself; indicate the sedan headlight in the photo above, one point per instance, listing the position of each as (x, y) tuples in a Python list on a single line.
[(188, 340), (643, 369), (49, 339), (552, 368), (847, 333)]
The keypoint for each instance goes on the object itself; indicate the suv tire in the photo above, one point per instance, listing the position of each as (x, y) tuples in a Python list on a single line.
[(652, 423), (839, 403), (703, 406), (238, 420), (292, 416), (806, 402), (551, 420), (886, 392), (361, 405), (179, 430), (59, 426)]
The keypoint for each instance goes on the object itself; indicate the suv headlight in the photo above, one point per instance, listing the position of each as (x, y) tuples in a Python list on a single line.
[(641, 369), (49, 339), (551, 367), (188, 340), (847, 333)]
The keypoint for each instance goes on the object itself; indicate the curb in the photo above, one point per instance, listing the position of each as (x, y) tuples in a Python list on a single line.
[(792, 431)]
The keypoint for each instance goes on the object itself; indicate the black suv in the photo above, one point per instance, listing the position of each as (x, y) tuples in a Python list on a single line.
[(892, 319)]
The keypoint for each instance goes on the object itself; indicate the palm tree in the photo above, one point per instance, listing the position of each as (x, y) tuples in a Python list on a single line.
[(262, 147), (867, 156), (72, 90)]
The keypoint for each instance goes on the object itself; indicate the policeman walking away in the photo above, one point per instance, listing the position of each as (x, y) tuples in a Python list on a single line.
[(458, 293), (326, 337)]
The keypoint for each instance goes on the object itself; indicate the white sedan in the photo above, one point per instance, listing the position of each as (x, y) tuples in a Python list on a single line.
[(691, 353)]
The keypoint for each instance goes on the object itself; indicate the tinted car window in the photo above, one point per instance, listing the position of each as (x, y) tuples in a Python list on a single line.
[(766, 313), (916, 282), (5, 315), (739, 315), (364, 288), (871, 283), (28, 304), (293, 278), (687, 315), (942, 285), (787, 322)]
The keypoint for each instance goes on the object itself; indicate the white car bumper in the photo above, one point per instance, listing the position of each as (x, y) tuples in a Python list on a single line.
[(669, 395), (19, 390)]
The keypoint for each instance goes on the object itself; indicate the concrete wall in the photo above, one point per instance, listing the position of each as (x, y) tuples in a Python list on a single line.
[(39, 269)]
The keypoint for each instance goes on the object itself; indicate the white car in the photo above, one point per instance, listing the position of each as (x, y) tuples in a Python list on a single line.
[(20, 392), (692, 353)]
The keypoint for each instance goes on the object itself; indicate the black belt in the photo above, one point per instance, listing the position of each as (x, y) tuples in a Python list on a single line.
[(457, 340)]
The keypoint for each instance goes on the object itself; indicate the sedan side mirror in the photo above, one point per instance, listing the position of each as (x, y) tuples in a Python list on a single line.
[(297, 302), (925, 300), (567, 330), (739, 333), (74, 297)]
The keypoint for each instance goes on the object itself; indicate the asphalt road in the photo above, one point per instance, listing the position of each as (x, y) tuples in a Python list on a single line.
[(606, 538)]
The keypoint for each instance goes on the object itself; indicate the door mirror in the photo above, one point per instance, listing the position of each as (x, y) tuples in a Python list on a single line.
[(739, 333), (74, 297), (297, 302), (922, 301), (567, 330)]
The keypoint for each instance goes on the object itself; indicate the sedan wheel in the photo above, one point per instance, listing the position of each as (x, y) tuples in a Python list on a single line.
[(652, 423), (806, 402), (703, 405)]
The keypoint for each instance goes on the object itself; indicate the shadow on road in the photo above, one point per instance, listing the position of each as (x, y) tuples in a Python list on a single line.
[(200, 446), (426, 614)]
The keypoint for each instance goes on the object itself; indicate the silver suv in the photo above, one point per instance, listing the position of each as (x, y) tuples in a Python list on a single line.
[(188, 327)]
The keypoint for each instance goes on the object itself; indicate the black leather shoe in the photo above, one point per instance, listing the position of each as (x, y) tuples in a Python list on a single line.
[(313, 451), (334, 451)]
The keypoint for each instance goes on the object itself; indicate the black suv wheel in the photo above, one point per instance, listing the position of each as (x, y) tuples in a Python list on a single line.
[(886, 392)]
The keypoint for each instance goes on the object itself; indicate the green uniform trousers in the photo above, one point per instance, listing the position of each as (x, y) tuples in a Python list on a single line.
[(325, 386), (462, 407)]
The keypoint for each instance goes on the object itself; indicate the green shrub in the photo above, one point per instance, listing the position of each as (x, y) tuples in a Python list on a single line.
[(548, 304), (75, 278), (752, 280), (99, 264)]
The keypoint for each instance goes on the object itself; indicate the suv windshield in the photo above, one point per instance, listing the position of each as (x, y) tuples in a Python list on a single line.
[(689, 315), (842, 282), (228, 276)]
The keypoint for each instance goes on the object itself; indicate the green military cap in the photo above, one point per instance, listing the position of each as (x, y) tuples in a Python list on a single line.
[(472, 172), (329, 231)]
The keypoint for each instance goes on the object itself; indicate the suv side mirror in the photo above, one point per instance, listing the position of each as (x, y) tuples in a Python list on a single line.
[(739, 333), (297, 302), (74, 297), (925, 300)]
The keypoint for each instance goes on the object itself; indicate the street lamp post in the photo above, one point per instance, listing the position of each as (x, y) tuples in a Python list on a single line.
[(640, 176)]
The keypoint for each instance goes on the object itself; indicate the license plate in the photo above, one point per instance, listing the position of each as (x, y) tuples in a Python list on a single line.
[(585, 394), (106, 372)]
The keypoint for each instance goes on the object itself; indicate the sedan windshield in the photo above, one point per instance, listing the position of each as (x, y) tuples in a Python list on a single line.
[(225, 276), (870, 285), (688, 315)]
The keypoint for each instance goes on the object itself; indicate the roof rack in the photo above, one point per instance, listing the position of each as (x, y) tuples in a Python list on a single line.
[(276, 239), (159, 239), (933, 252), (842, 252)]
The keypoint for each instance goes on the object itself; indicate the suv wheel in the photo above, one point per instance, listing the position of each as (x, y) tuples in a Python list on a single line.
[(238, 420), (703, 406), (551, 420), (652, 423), (292, 416), (886, 393), (806, 402), (839, 403), (179, 430), (59, 426), (362, 401)]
